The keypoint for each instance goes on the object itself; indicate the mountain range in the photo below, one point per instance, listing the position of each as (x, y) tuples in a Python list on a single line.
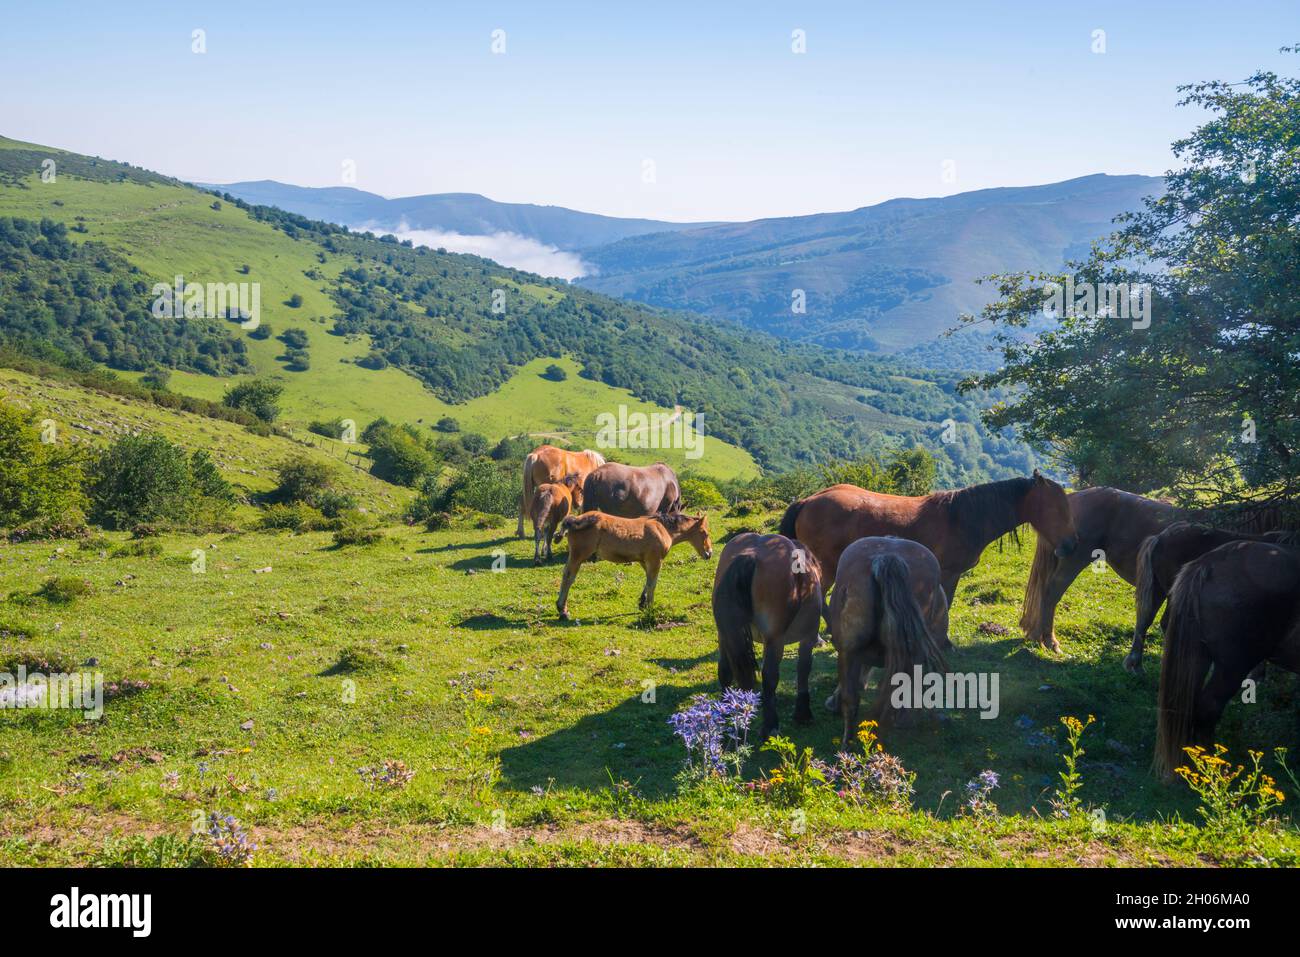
[(883, 278)]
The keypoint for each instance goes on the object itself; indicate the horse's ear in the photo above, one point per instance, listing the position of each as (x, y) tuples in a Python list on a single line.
[(1038, 476)]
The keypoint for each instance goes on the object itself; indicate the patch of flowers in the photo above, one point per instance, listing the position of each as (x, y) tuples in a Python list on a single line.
[(1234, 798), (716, 732), (229, 842), (389, 776), (978, 794)]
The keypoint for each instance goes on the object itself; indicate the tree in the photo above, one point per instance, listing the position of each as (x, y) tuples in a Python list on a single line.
[(555, 373), (145, 479), (40, 481), (294, 301), (1184, 375), (257, 396)]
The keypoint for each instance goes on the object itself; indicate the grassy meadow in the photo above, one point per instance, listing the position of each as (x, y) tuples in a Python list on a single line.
[(288, 664)]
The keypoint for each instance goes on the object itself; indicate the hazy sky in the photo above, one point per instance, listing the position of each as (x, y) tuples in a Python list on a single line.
[(737, 126)]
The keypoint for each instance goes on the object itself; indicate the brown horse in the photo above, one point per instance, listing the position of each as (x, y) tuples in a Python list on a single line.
[(645, 541), (767, 589), (956, 526), (552, 503), (1230, 610), (889, 609), (1111, 526), (1163, 555), (546, 463), (632, 492)]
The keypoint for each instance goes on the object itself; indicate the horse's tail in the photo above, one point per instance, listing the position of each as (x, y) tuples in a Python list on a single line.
[(1183, 670), (733, 613), (578, 522), (1040, 575), (1146, 599), (900, 626), (526, 496), (790, 517)]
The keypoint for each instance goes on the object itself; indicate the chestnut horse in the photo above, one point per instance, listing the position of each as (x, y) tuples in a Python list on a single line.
[(1230, 610), (1111, 526), (767, 589), (889, 609), (631, 491), (645, 541), (956, 526), (552, 503), (1161, 558), (546, 463)]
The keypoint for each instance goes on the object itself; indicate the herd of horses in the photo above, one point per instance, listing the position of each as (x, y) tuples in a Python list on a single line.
[(881, 571)]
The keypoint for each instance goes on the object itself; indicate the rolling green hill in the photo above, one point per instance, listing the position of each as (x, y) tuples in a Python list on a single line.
[(413, 334)]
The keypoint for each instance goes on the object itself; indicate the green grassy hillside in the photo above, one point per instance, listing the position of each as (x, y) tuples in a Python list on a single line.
[(427, 318), (265, 693)]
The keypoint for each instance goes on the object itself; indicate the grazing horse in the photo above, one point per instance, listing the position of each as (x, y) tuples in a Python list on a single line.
[(956, 526), (546, 463), (645, 541), (767, 589), (632, 492), (888, 609), (1230, 609), (1107, 521), (1160, 559), (552, 503)]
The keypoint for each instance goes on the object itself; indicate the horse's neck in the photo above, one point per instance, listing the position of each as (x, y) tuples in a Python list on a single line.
[(998, 517)]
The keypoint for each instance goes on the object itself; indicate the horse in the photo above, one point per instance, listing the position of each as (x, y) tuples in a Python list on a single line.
[(1230, 609), (645, 541), (546, 463), (1110, 524), (956, 526), (1161, 557), (888, 609), (632, 492), (552, 503), (767, 588)]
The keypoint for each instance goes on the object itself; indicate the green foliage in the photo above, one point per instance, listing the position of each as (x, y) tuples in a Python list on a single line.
[(296, 516), (147, 479), (331, 429), (258, 396), (65, 589), (447, 424), (482, 485), (701, 493), (399, 454), (1206, 399), (555, 373), (302, 478), (40, 482)]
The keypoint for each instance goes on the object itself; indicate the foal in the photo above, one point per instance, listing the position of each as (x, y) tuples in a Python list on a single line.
[(645, 541), (767, 589), (552, 503)]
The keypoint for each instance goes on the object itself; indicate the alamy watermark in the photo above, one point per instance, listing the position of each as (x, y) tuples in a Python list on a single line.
[(952, 690), (80, 690), (655, 430), (216, 300), (1117, 300)]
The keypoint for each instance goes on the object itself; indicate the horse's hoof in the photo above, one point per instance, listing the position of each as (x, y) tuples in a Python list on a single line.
[(1051, 644), (833, 703), (1133, 664)]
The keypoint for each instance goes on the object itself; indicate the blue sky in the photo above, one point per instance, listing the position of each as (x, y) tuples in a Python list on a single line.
[(736, 124)]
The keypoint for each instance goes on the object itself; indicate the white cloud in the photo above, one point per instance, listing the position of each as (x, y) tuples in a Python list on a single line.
[(508, 249)]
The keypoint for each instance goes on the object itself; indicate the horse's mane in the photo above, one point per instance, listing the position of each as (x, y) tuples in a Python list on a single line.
[(672, 521), (979, 508)]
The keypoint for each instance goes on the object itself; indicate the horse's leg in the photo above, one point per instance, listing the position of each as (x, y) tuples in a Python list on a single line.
[(1066, 572), (651, 566), (850, 693), (772, 652), (726, 674), (1146, 616), (539, 529), (571, 567), (804, 630), (1224, 684)]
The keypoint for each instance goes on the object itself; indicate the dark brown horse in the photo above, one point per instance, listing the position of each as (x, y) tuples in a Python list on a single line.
[(1163, 555), (546, 463), (632, 492), (1229, 610), (767, 589), (888, 609), (956, 526), (1111, 525)]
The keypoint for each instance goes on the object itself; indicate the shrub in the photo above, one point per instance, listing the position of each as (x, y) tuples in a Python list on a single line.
[(447, 424), (298, 516), (483, 486), (302, 478), (356, 533), (147, 479), (555, 373), (331, 429), (333, 503), (398, 456), (701, 493), (40, 482), (258, 396), (61, 591)]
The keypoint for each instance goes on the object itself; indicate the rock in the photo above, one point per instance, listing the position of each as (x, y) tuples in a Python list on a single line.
[(261, 571), (247, 725)]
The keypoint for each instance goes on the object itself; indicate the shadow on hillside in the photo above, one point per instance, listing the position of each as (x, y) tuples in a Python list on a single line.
[(462, 546)]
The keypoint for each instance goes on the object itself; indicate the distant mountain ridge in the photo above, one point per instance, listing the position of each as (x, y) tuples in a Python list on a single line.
[(469, 214)]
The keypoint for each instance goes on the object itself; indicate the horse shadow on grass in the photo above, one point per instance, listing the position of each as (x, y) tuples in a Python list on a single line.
[(462, 546)]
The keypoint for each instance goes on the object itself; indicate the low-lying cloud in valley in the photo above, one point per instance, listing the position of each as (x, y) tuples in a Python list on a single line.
[(508, 249)]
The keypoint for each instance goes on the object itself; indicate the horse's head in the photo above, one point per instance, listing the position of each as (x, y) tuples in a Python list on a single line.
[(1047, 509), (695, 529), (573, 482)]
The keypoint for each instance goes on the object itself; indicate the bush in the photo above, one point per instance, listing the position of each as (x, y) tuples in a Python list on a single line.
[(333, 503), (40, 482), (398, 456), (555, 373), (145, 479), (355, 533), (298, 516), (701, 493), (447, 424), (64, 590), (482, 486), (332, 429), (258, 396), (302, 478)]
